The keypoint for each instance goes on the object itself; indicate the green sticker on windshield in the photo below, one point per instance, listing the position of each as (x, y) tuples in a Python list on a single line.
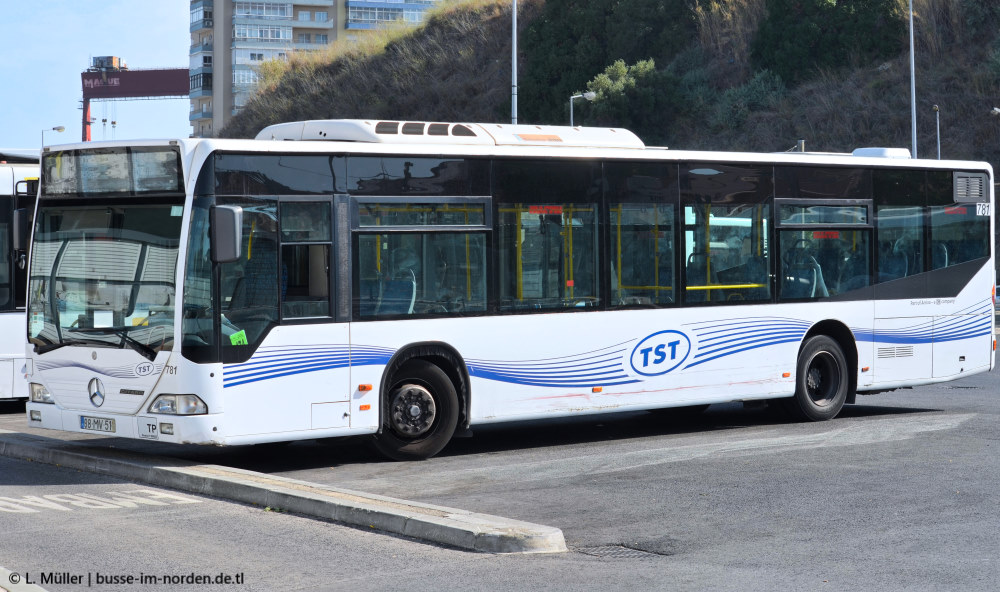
[(238, 338)]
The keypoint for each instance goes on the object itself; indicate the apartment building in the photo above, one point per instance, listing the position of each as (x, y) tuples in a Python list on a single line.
[(230, 38)]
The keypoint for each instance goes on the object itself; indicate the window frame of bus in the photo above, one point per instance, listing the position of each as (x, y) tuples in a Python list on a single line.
[(781, 226), (552, 188), (206, 188), (284, 318), (15, 277), (727, 194), (617, 192), (358, 230)]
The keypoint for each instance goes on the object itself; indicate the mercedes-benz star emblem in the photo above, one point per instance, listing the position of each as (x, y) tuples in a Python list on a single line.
[(96, 390)]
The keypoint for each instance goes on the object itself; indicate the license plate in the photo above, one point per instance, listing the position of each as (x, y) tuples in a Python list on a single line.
[(97, 424), (147, 428)]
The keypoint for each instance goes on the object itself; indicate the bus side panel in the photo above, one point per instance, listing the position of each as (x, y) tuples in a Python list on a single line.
[(903, 348), (297, 380), (963, 341), (542, 365), (12, 337)]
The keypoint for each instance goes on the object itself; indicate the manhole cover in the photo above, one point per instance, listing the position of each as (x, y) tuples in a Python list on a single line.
[(616, 552)]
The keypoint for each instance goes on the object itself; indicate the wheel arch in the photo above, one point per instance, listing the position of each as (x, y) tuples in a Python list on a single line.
[(442, 355), (844, 337)]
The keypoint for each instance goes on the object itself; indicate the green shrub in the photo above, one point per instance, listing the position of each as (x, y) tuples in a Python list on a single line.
[(571, 41), (637, 97), (763, 91)]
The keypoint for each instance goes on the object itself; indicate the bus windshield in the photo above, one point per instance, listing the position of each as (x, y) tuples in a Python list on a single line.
[(103, 275)]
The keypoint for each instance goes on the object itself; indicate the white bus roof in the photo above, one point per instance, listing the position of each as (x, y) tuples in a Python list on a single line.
[(19, 154), (422, 132)]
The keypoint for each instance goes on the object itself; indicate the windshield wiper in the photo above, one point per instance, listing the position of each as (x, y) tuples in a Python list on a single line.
[(123, 332), (42, 349)]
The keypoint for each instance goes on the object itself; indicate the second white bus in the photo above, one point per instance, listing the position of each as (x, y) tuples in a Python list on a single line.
[(18, 187)]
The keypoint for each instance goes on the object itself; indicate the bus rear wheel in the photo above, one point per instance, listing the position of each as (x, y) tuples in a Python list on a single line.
[(821, 380), (421, 412)]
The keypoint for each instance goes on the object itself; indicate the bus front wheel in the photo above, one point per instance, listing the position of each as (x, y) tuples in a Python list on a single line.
[(421, 412), (821, 380)]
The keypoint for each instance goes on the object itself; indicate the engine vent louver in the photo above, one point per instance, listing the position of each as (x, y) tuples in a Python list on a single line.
[(971, 187), (895, 352)]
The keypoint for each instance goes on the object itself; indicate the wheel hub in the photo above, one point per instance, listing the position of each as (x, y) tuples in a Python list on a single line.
[(821, 384), (412, 410)]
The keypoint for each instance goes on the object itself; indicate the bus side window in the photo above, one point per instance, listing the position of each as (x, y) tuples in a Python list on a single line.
[(547, 230), (959, 230), (726, 232), (305, 259)]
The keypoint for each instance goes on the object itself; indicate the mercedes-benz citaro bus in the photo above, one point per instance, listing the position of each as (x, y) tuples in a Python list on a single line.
[(413, 280), (18, 188)]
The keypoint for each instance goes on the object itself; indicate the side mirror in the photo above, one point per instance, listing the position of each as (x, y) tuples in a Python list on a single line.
[(20, 230), (227, 233)]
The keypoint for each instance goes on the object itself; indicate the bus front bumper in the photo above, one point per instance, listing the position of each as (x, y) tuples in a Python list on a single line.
[(178, 429)]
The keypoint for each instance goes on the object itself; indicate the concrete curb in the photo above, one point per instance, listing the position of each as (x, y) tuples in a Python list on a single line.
[(436, 524)]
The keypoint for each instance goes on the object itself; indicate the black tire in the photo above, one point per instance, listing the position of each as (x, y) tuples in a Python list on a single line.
[(821, 380), (421, 412)]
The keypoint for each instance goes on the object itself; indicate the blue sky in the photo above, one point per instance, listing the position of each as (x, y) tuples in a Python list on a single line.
[(50, 42)]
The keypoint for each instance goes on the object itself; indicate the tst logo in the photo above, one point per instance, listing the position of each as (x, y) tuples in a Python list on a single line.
[(660, 353)]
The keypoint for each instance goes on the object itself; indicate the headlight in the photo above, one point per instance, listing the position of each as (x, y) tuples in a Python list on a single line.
[(178, 405), (40, 394)]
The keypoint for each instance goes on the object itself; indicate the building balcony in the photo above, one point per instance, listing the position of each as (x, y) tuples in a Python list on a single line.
[(326, 25), (200, 115), (202, 24), (310, 46), (201, 48)]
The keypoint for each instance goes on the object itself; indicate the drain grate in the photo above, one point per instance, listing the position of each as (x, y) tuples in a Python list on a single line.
[(616, 552), (965, 388)]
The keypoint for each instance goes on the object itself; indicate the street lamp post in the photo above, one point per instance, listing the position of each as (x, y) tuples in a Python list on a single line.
[(590, 96), (913, 87), (513, 64), (937, 122), (57, 128)]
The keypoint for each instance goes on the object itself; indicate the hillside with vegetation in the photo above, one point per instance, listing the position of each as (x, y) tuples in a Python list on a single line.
[(755, 75)]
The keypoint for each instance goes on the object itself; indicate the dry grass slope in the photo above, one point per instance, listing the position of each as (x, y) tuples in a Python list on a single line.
[(455, 68)]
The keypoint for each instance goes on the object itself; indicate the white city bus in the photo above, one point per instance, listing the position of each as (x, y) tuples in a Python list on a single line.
[(413, 280), (18, 187)]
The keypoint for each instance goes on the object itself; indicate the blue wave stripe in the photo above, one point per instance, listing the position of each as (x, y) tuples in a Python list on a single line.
[(287, 361), (719, 339), (953, 329), (756, 326), (726, 324), (542, 371), (578, 383), (756, 333), (741, 341), (588, 377), (743, 346), (116, 372), (729, 353), (263, 369), (603, 367)]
